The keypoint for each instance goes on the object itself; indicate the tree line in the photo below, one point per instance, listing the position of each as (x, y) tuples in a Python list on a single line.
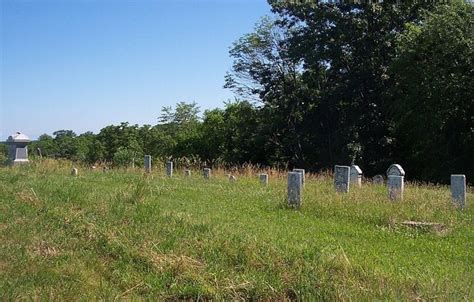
[(319, 84)]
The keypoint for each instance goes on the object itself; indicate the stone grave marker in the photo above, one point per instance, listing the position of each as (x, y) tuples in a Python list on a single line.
[(169, 168), (378, 180), (295, 185), (148, 163), (187, 173), (356, 176), (263, 178), (207, 173), (18, 148), (458, 190), (74, 172), (232, 178), (341, 178)]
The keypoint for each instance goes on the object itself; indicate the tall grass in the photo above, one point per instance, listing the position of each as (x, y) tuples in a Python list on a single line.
[(124, 234)]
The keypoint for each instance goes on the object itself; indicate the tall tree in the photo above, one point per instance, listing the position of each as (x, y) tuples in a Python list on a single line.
[(433, 93)]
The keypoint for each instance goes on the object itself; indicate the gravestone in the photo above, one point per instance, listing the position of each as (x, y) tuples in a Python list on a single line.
[(356, 176), (458, 190), (232, 178), (74, 172), (395, 170), (187, 172), (38, 151), (263, 178), (396, 186), (295, 185), (148, 163), (18, 148), (207, 173), (378, 180), (302, 174), (341, 178), (169, 168)]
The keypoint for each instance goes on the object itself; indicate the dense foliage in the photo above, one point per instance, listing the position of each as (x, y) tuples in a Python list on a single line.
[(324, 84)]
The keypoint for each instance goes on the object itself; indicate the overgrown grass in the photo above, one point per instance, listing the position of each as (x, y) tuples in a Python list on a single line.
[(126, 235)]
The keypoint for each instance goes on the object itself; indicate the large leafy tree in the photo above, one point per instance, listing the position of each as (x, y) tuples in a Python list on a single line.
[(433, 93), (346, 50), (262, 71)]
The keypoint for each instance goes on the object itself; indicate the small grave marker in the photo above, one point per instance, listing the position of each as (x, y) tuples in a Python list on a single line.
[(74, 172), (207, 173), (263, 178), (169, 168), (356, 176), (148, 163), (378, 180), (341, 178), (187, 173), (294, 189), (458, 190)]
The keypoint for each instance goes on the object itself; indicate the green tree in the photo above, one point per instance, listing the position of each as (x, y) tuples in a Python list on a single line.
[(433, 93)]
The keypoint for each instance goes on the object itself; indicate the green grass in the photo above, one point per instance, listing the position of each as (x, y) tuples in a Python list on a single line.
[(123, 235)]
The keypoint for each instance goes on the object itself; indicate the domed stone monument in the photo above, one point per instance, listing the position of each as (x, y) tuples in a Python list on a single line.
[(18, 148)]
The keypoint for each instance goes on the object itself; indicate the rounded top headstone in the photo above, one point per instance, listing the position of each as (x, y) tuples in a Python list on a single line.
[(18, 137), (355, 169), (395, 170)]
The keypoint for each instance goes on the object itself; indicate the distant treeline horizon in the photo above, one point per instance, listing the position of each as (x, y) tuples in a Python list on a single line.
[(318, 85)]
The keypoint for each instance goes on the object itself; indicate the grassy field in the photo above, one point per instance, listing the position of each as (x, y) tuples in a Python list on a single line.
[(125, 235)]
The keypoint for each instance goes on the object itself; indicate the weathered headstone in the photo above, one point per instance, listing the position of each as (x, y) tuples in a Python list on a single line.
[(232, 178), (395, 170), (295, 185), (148, 163), (18, 148), (356, 176), (169, 168), (207, 173), (396, 186), (187, 172), (302, 174), (458, 190), (378, 180), (74, 172), (341, 178), (263, 178)]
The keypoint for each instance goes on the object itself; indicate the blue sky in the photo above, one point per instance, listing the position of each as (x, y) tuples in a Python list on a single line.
[(85, 64)]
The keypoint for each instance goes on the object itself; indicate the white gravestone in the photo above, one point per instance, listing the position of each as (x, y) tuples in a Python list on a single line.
[(458, 190), (148, 163), (207, 173), (395, 182), (232, 178), (263, 178), (294, 189), (74, 172), (396, 170), (17, 148), (356, 176), (396, 186), (169, 168), (341, 178), (302, 175), (187, 172), (378, 180)]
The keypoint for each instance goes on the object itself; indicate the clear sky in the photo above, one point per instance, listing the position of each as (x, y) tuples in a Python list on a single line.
[(86, 64)]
